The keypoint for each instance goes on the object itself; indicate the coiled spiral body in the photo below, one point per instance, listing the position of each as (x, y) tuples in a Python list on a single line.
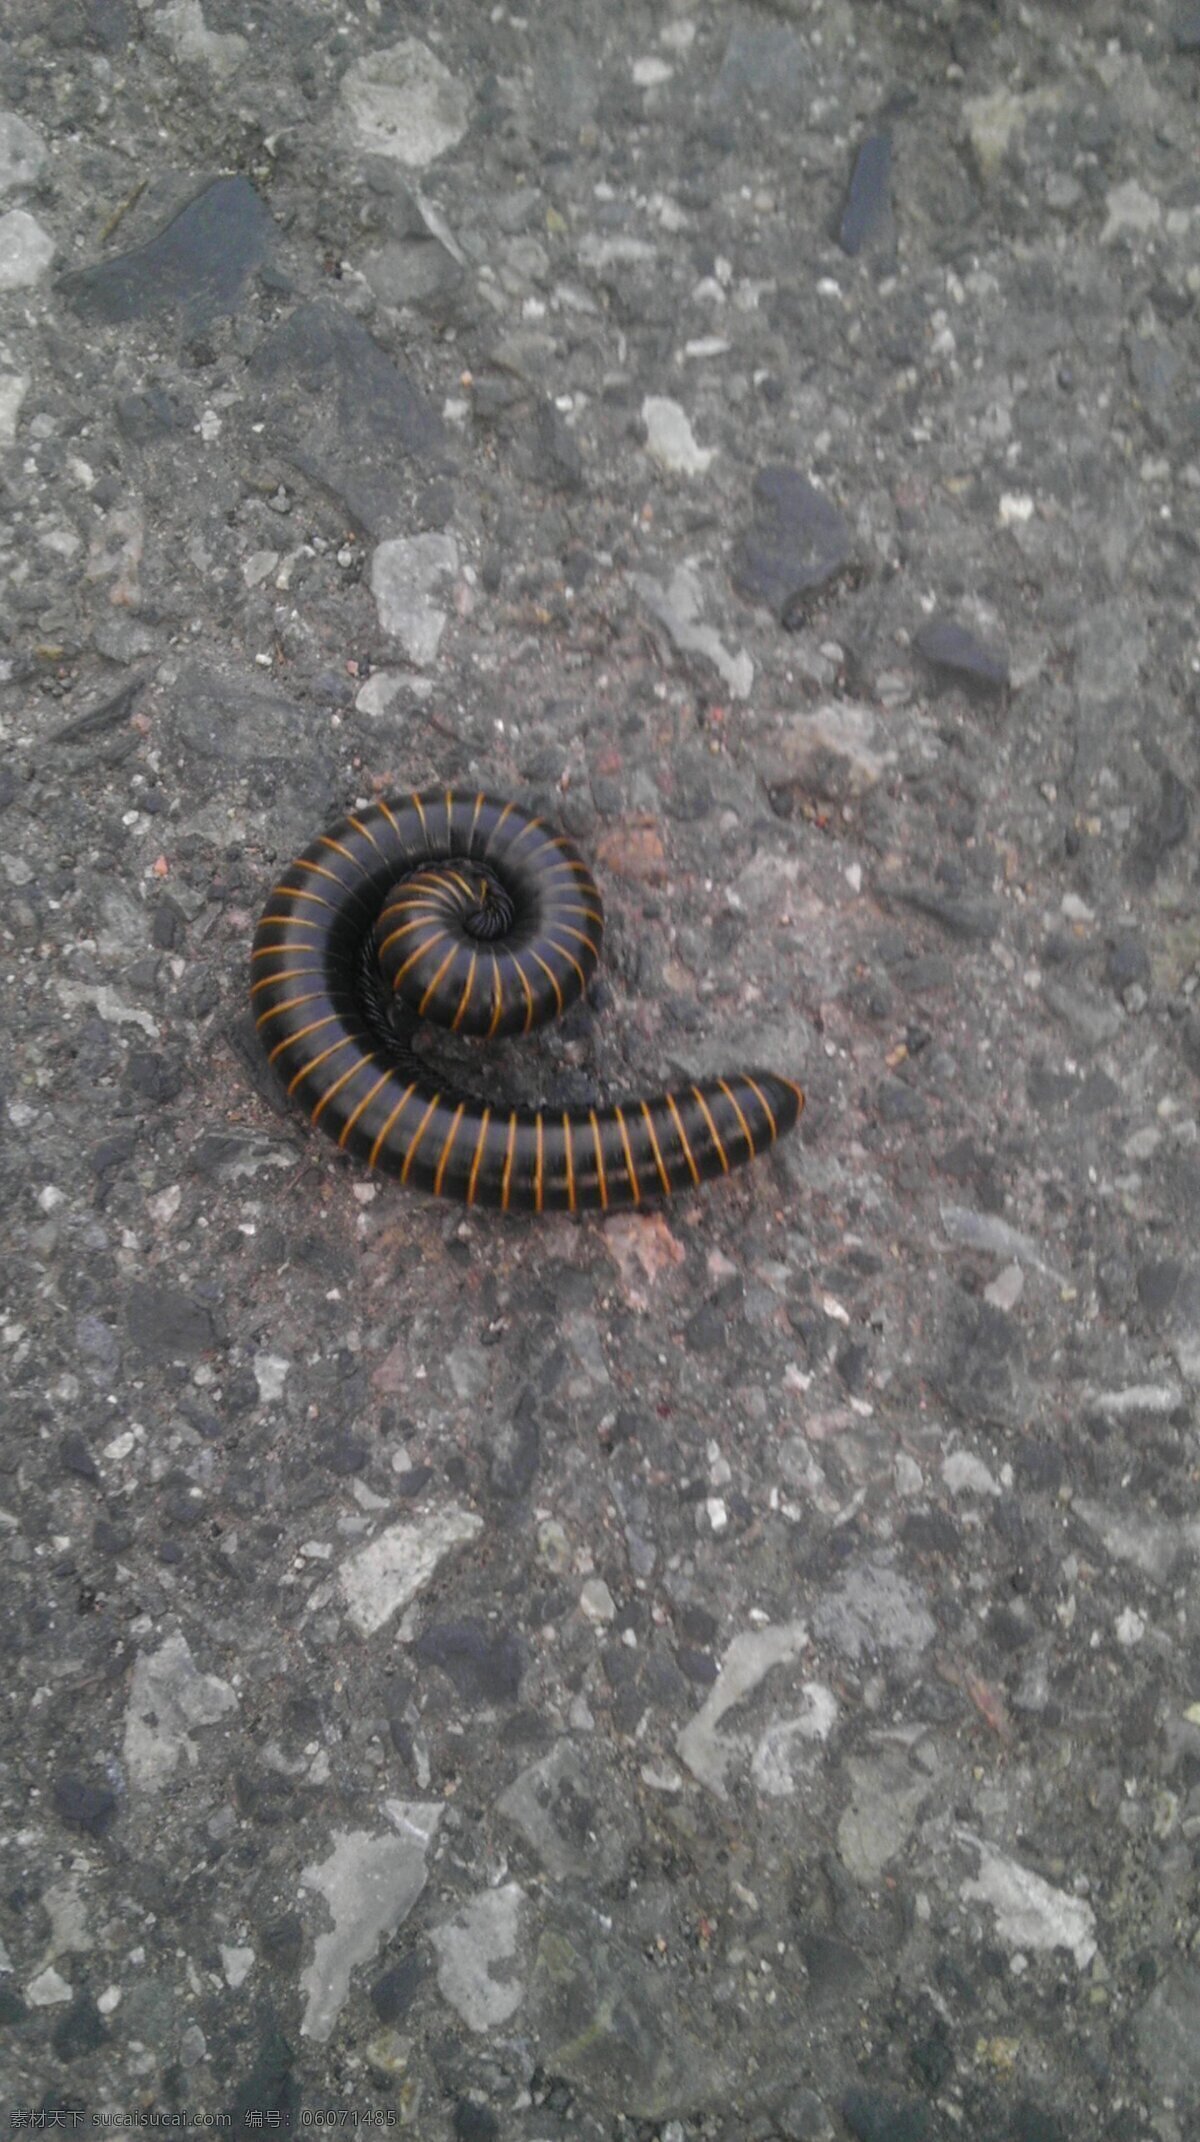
[(467, 911)]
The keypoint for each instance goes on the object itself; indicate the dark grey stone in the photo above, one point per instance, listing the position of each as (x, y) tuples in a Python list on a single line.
[(271, 2090), (165, 1323), (76, 1454), (514, 1452), (974, 920), (197, 265), (152, 414), (484, 1664), (1128, 963), (1162, 829), (82, 1805), (393, 1992), (979, 1369), (1187, 30), (474, 2122), (868, 199), (796, 544), (955, 652), (226, 730), (803, 2118), (553, 456), (337, 407), (80, 2029), (762, 63), (877, 2116)]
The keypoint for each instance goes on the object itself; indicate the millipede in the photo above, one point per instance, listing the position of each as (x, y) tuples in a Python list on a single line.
[(472, 913)]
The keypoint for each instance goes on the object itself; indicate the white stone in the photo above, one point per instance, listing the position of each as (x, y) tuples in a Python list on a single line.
[(190, 39), (789, 1746), (1006, 1289), (678, 607), (26, 250), (1130, 208), (236, 1963), (708, 1753), (1016, 507), (1152, 1400), (405, 104), (270, 1374), (381, 690), (168, 1698), (669, 437), (370, 1885), (383, 1577), (22, 153), (651, 73), (1130, 1627), (475, 1951), (404, 570), (965, 1474), (596, 1602), (48, 1989), (1029, 1913), (885, 1798), (971, 1230)]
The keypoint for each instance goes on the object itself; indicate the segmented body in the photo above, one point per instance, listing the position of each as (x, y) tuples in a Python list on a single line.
[(475, 915)]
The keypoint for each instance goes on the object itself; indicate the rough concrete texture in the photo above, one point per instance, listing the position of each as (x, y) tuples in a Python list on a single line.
[(733, 1673)]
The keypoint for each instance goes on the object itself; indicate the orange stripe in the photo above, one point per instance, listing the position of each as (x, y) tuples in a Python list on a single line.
[(385, 1133), (487, 846), (319, 871), (634, 1184), (508, 1161), (359, 1065), (568, 1138), (568, 956), (302, 1033), (364, 1103), (714, 1133), (497, 996), (338, 849), (764, 1104), (293, 892), (683, 1139), (528, 991), (601, 1178), (553, 980), (285, 974), (277, 1010), (732, 1099), (465, 998), (413, 957), (418, 1134), (323, 1058), (480, 1143), (447, 1148), (447, 962), (538, 1164), (366, 832), (659, 1163)]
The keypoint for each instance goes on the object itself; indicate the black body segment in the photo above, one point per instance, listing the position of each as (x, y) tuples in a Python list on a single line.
[(485, 920)]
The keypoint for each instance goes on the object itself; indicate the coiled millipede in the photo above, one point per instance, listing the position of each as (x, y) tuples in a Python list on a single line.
[(471, 913)]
